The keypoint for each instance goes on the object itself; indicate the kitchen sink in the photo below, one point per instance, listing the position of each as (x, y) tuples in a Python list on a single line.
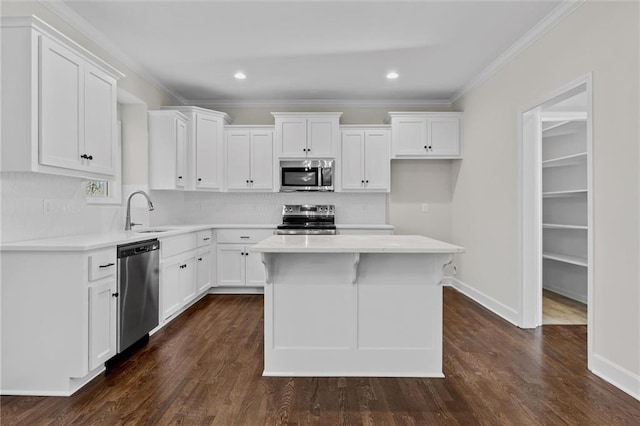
[(153, 230)]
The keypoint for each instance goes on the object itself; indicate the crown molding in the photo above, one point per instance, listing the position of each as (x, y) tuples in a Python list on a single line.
[(554, 17), (350, 103), (79, 23)]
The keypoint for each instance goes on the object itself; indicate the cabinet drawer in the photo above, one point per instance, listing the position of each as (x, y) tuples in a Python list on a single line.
[(178, 244), (205, 238), (243, 235), (102, 264)]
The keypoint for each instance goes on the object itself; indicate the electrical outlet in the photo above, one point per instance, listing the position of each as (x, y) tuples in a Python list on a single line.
[(46, 206), (425, 208)]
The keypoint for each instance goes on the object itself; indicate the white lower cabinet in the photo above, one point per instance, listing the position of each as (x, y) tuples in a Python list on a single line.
[(204, 266), (236, 266), (170, 278), (178, 282), (185, 271), (231, 265), (57, 318), (103, 307)]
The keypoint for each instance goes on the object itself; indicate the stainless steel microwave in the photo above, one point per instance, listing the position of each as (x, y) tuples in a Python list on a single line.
[(306, 175)]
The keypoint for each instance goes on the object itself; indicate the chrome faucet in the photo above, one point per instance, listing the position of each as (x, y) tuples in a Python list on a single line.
[(127, 223)]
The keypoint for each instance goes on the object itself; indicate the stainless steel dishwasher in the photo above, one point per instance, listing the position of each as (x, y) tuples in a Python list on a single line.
[(138, 291)]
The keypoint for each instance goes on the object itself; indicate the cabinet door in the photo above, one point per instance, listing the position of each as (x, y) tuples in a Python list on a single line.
[(99, 121), (255, 273), (207, 141), (409, 136), (261, 160), (321, 137), (444, 137), (170, 284), (292, 134), (102, 323), (188, 281), (181, 152), (376, 160), (353, 160), (61, 106), (238, 168), (231, 271), (204, 269)]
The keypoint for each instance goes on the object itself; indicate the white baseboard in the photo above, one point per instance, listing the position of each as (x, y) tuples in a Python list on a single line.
[(236, 290), (490, 303), (582, 298), (618, 376)]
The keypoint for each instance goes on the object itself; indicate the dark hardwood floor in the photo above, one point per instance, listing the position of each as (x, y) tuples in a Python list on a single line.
[(205, 368)]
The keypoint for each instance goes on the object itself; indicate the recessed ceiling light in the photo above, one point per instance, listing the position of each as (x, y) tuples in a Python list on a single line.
[(240, 75), (393, 75)]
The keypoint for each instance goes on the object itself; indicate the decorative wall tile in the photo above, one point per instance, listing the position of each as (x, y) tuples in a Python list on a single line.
[(38, 206)]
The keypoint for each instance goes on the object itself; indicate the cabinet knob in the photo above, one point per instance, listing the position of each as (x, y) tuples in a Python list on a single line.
[(251, 181), (199, 179), (366, 181), (85, 156), (362, 181), (425, 147), (116, 294), (90, 157), (200, 259), (247, 180), (429, 147), (179, 177)]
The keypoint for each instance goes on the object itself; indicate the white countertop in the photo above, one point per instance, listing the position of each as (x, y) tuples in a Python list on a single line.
[(353, 244), (96, 241)]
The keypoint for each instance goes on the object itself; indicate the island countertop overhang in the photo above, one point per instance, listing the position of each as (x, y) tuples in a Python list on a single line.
[(354, 244)]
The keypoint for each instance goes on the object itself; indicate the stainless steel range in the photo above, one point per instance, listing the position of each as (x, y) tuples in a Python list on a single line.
[(307, 219)]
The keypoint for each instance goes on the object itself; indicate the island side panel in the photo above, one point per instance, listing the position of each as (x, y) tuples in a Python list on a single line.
[(318, 322)]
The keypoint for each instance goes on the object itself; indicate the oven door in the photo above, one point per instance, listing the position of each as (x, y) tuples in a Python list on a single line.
[(300, 179)]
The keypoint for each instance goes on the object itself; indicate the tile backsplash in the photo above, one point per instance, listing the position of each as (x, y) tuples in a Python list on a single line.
[(35, 206), (42, 206), (267, 207)]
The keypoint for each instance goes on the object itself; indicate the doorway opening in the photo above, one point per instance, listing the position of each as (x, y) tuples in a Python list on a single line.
[(557, 209)]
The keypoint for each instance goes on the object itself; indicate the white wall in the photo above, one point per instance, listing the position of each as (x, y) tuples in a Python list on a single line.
[(598, 37), (418, 182)]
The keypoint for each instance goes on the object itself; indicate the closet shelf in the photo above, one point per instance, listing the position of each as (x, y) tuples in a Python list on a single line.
[(562, 127), (567, 160), (559, 226), (559, 194), (573, 260)]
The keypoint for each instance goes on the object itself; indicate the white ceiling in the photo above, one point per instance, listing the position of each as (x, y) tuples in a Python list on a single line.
[(313, 50)]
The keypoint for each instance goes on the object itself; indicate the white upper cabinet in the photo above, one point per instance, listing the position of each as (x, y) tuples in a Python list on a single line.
[(365, 159), (205, 157), (61, 126), (100, 93), (58, 103), (167, 149), (425, 134), (302, 135), (249, 164)]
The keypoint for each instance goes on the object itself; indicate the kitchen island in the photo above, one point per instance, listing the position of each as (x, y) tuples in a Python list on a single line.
[(347, 305)]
